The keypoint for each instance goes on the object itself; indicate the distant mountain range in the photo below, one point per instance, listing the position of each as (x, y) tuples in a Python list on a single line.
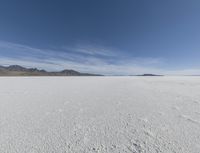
[(16, 70)]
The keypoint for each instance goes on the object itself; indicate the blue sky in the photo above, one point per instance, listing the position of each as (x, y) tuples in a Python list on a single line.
[(108, 37)]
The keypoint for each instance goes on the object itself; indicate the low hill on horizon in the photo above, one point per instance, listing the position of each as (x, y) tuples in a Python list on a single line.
[(150, 75)]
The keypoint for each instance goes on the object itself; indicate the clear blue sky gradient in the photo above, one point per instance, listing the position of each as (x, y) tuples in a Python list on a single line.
[(102, 36)]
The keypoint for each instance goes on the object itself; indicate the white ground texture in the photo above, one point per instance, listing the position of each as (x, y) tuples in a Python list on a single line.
[(100, 115)]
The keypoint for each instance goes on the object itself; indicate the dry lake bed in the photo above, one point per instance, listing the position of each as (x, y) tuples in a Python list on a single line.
[(100, 114)]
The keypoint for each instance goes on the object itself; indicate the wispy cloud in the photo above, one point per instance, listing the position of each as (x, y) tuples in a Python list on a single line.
[(91, 50), (85, 59)]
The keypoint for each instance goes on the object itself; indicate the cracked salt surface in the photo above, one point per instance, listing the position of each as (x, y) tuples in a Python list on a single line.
[(99, 114)]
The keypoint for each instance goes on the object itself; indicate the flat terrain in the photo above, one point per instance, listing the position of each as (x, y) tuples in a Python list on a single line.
[(100, 114)]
